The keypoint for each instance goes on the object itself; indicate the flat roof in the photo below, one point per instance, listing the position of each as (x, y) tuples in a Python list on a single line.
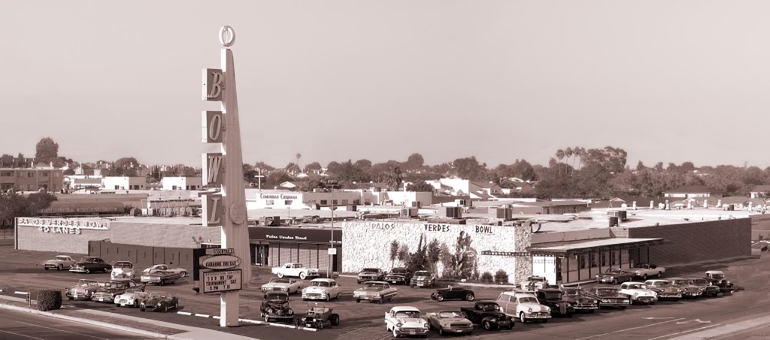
[(565, 247), (598, 218)]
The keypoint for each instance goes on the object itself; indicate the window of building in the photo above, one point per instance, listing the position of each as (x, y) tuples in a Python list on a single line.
[(344, 202), (269, 202), (582, 261), (117, 187), (356, 202), (30, 174), (8, 186), (613, 260), (604, 258), (44, 174), (334, 202), (288, 202), (323, 202), (6, 173)]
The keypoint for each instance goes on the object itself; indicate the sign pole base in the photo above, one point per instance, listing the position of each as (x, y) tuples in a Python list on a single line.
[(229, 311)]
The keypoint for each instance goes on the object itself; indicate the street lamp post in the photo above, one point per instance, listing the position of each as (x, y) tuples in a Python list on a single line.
[(331, 231)]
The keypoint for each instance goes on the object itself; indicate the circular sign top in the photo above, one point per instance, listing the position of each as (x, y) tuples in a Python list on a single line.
[(227, 36), (238, 213)]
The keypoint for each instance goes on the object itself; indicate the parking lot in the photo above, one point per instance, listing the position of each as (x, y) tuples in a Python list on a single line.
[(20, 270)]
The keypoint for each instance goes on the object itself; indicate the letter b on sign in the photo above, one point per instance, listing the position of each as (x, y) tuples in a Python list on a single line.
[(213, 84), (213, 126)]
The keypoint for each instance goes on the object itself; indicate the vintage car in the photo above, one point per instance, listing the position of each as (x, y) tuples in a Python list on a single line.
[(646, 270), (450, 322), (375, 291), (453, 293), (130, 298), (160, 277), (553, 298), (82, 290), (181, 271), (580, 299), (319, 316), (90, 264), (275, 307), (422, 278), (407, 321), (638, 292), (398, 276), (108, 290), (322, 289), (614, 276), (717, 278), (295, 270), (610, 297), (489, 314), (685, 285), (664, 288), (282, 284), (533, 283), (122, 270), (523, 305), (158, 301), (706, 287), (59, 262), (370, 274)]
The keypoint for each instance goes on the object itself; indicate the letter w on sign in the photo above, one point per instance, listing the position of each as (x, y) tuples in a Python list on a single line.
[(213, 167)]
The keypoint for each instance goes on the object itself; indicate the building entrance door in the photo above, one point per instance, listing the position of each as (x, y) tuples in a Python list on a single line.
[(261, 254)]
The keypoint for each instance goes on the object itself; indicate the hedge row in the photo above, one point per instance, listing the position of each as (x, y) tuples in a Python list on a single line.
[(49, 299)]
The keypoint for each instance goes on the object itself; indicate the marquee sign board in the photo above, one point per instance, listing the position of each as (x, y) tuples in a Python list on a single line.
[(219, 262), (63, 222), (213, 210), (221, 281), (213, 126)]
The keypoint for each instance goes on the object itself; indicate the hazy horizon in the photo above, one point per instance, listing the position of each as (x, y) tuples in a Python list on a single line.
[(667, 81)]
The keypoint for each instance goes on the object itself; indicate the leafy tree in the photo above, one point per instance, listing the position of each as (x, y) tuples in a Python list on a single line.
[(394, 247), (414, 161), (403, 254), (46, 151), (263, 166), (363, 164), (69, 172), (420, 187), (21, 161), (275, 178), (13, 205), (419, 259), (7, 161), (394, 178), (314, 166), (469, 168), (434, 254)]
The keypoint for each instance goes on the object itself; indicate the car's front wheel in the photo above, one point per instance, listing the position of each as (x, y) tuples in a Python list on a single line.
[(302, 275), (183, 274), (88, 271), (59, 267), (470, 297), (487, 325), (395, 334), (439, 298), (522, 317)]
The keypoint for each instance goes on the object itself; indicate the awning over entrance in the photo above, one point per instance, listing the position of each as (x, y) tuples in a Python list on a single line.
[(584, 246)]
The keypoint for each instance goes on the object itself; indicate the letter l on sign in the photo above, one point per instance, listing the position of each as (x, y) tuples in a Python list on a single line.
[(212, 210)]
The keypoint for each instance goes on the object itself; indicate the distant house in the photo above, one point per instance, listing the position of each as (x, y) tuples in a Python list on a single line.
[(688, 191), (288, 185), (760, 191)]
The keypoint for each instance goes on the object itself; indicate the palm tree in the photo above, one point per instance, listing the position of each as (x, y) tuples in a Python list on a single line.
[(560, 156), (298, 156), (568, 153)]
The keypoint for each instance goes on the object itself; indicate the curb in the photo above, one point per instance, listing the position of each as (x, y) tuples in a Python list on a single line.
[(256, 322), (93, 323)]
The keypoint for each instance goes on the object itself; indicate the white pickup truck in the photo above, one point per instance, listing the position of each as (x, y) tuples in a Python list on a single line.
[(647, 270), (295, 270)]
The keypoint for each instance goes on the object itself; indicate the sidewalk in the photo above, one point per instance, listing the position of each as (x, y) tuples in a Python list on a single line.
[(142, 326)]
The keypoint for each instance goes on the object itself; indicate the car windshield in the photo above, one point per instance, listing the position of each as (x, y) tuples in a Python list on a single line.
[(399, 271), (133, 291), (552, 295), (571, 292), (606, 291), (536, 279), (421, 273), (488, 307), (718, 276), (112, 285), (527, 299), (636, 286), (613, 271), (369, 270), (86, 283), (277, 280), (700, 282), (62, 258), (320, 284), (277, 297), (408, 314), (450, 315), (374, 286), (123, 265), (158, 294), (680, 282), (659, 284)]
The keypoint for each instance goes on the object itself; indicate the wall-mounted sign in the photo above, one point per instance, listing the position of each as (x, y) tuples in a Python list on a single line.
[(505, 253), (221, 281), (213, 210), (220, 251), (62, 222), (441, 228), (485, 229), (213, 167), (220, 262), (213, 84), (60, 230), (213, 126), (332, 251), (278, 197)]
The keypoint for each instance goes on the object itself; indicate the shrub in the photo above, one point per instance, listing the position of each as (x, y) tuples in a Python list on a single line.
[(49, 299), (501, 277), (486, 277)]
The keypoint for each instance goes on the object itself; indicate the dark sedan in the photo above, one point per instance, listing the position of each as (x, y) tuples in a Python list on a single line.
[(614, 276), (610, 297), (453, 293)]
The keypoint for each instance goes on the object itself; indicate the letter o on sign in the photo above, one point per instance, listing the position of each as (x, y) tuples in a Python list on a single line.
[(227, 36)]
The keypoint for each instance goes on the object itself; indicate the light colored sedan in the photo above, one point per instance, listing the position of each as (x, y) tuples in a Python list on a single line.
[(282, 284), (59, 262), (322, 289), (450, 322), (163, 267)]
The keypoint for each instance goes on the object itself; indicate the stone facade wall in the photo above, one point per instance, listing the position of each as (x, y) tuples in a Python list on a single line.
[(154, 235), (368, 244), (695, 242), (523, 240)]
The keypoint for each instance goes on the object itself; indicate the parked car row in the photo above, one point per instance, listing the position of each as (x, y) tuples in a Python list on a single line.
[(123, 293), (160, 274)]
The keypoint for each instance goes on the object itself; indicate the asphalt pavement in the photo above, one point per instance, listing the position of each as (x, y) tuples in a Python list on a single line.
[(740, 315), (25, 326)]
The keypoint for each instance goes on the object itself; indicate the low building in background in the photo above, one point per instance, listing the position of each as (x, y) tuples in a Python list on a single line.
[(181, 183), (124, 183), (31, 179)]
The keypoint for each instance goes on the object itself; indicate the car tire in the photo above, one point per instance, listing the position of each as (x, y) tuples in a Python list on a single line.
[(644, 277), (70, 298), (614, 281), (439, 298), (623, 307), (59, 267), (328, 297), (136, 304), (358, 300), (570, 315), (183, 274), (440, 331), (162, 282), (395, 335), (522, 317), (470, 297), (117, 305), (45, 268), (88, 271), (302, 275), (379, 301), (487, 325), (141, 308), (280, 275), (334, 319)]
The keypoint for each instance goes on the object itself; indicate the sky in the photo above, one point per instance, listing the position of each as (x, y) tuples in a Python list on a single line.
[(667, 81)]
